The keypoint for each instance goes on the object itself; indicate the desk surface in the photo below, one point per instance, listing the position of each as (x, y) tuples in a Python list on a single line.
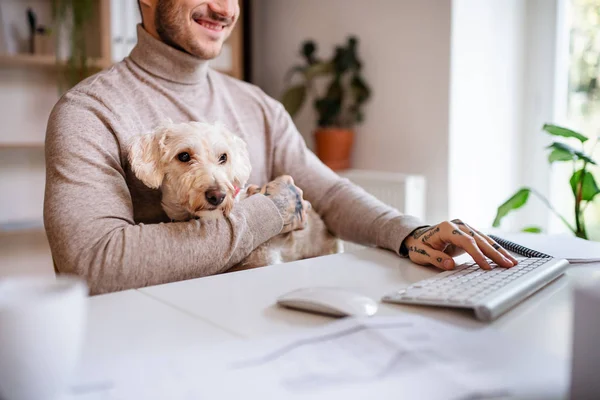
[(129, 324), (243, 303)]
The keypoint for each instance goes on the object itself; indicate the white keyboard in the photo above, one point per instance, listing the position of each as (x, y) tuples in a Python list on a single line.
[(488, 293)]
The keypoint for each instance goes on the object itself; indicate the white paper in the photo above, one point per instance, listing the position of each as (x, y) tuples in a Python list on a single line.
[(565, 246), (406, 357)]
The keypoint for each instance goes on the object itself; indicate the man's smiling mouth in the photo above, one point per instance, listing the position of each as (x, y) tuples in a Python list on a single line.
[(213, 26)]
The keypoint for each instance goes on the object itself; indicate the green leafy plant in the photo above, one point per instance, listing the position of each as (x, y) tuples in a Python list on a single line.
[(342, 103), (74, 17), (582, 182)]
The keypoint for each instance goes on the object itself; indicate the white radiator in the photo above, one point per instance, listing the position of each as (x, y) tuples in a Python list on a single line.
[(404, 192)]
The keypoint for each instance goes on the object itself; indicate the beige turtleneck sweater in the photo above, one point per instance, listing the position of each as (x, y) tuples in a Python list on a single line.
[(106, 226)]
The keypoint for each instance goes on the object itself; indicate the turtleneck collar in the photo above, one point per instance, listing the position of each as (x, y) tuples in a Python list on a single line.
[(167, 62)]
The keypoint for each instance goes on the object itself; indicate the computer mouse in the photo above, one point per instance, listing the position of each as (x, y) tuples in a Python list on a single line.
[(331, 301)]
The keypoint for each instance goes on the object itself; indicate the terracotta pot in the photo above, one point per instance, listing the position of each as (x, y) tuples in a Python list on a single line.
[(334, 147)]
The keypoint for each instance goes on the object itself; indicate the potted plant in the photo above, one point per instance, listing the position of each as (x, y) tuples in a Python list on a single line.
[(339, 106), (582, 182)]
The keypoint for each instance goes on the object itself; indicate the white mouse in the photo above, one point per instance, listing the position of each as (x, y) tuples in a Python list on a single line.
[(331, 301)]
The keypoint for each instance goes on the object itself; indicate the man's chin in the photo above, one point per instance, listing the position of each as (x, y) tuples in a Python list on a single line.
[(206, 48), (207, 52)]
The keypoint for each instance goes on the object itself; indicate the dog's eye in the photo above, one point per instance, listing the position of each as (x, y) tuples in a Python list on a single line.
[(184, 157), (223, 159)]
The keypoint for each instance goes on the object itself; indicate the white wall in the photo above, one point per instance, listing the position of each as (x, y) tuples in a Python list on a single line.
[(540, 94), (405, 46), (486, 106), (501, 95)]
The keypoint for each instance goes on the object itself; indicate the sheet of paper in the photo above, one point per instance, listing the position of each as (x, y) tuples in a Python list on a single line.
[(406, 357), (559, 246)]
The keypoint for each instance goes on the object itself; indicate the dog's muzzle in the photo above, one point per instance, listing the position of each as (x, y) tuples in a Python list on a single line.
[(215, 196)]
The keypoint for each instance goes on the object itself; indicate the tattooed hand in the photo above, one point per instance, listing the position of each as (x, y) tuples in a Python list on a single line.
[(288, 199), (436, 245)]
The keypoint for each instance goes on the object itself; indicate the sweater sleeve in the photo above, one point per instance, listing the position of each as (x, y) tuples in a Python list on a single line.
[(88, 214), (348, 211)]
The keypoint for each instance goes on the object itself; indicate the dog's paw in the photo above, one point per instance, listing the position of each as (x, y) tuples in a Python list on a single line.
[(252, 190)]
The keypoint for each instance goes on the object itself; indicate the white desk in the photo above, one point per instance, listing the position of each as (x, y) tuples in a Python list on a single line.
[(129, 324), (243, 303), (238, 305)]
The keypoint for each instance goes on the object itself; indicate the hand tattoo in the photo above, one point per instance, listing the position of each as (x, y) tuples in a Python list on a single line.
[(417, 250), (288, 200), (429, 234), (456, 232), (299, 205), (419, 232)]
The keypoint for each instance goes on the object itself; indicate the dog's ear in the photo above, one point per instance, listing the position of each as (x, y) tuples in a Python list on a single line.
[(144, 158), (240, 161)]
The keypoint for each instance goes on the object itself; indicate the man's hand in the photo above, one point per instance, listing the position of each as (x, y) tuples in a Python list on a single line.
[(436, 245), (287, 197)]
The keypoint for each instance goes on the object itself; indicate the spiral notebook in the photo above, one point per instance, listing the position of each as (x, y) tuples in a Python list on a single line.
[(573, 249)]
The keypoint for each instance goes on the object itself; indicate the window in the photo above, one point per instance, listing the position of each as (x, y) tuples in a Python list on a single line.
[(581, 107)]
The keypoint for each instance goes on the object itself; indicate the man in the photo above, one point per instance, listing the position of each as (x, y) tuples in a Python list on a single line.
[(103, 224)]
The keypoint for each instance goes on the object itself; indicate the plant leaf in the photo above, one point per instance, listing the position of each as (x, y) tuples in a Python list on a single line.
[(590, 188), (532, 229), (322, 68), (517, 201), (308, 50), (293, 98), (328, 110), (360, 89), (561, 150), (564, 132), (290, 73), (560, 155)]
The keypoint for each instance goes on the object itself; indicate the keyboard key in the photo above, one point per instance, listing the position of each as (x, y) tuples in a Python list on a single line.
[(436, 297)]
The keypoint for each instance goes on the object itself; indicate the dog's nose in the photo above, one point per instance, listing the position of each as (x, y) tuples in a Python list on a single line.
[(215, 196)]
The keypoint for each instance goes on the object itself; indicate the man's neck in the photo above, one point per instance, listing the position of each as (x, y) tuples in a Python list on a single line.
[(167, 62), (151, 29)]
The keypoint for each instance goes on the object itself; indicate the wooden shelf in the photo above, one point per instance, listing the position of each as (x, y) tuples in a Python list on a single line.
[(21, 227), (33, 60)]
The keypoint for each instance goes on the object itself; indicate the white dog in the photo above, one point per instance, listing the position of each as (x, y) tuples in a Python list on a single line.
[(201, 169)]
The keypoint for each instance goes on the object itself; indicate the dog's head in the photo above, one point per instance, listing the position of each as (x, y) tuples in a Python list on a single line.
[(199, 167)]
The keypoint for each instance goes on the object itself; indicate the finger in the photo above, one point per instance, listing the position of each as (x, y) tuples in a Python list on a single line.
[(425, 255), (304, 212), (501, 249), (252, 190), (485, 247), (451, 234), (307, 205), (489, 240), (420, 254)]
